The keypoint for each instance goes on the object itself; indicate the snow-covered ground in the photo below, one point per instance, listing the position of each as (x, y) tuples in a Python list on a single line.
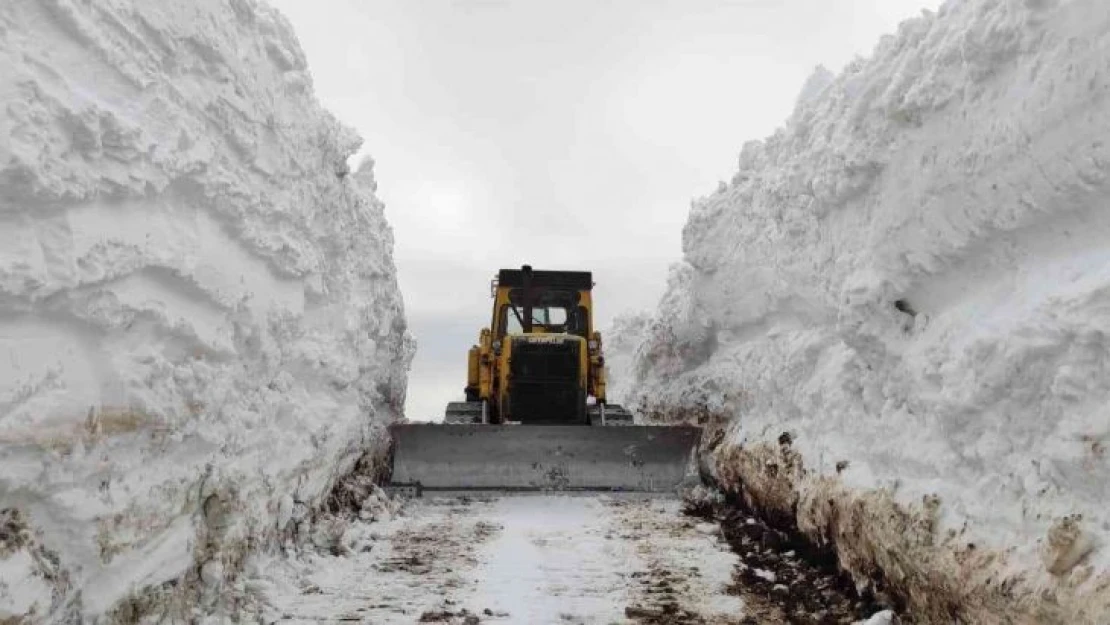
[(200, 325), (911, 279), (512, 559)]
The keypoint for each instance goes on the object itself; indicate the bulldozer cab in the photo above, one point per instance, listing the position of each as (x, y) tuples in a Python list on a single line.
[(541, 302)]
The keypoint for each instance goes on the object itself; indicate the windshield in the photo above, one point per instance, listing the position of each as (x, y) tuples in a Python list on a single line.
[(552, 318), (552, 311)]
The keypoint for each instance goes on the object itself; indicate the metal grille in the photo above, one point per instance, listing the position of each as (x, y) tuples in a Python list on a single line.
[(543, 387)]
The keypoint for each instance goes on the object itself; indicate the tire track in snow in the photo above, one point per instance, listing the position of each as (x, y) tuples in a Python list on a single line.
[(558, 560), (408, 567), (686, 568), (518, 559)]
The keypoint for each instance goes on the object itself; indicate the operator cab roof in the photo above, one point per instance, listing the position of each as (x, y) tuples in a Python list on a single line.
[(578, 280)]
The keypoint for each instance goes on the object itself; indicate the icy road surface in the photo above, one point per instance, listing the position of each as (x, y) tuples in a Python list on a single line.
[(516, 559)]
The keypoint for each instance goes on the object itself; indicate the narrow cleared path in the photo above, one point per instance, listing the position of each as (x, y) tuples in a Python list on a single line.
[(516, 559)]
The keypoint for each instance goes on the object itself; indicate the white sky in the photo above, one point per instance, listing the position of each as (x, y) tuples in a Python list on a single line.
[(568, 134)]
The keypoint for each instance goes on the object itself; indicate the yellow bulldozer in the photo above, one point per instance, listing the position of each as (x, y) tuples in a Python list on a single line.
[(535, 415), (540, 361)]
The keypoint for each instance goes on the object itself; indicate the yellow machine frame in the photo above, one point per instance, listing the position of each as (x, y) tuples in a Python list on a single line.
[(488, 361)]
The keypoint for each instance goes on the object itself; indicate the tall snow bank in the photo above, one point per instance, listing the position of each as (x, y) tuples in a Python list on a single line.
[(911, 281), (623, 337), (200, 325)]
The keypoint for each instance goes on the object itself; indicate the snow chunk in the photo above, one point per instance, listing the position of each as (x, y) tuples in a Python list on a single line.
[(765, 575), (814, 85), (885, 617)]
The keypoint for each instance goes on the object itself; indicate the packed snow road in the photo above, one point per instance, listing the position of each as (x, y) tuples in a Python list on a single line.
[(514, 559)]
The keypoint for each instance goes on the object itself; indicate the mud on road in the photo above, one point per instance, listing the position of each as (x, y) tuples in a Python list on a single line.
[(550, 559), (781, 577), (512, 559)]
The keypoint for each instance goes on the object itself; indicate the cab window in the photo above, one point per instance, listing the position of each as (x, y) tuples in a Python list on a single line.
[(552, 311)]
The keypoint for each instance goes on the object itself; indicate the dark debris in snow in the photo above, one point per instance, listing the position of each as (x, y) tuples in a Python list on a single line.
[(782, 577)]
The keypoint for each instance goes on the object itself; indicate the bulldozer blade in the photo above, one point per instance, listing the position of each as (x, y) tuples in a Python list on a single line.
[(440, 457)]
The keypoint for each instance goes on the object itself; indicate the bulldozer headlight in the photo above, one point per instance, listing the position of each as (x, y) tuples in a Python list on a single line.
[(497, 347), (592, 344)]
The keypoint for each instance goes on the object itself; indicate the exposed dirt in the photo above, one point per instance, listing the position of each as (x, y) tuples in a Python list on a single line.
[(439, 548), (463, 617), (40, 573), (783, 578), (14, 532)]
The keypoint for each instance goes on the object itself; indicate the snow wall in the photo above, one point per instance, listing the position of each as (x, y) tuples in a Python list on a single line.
[(899, 310), (200, 324), (621, 340)]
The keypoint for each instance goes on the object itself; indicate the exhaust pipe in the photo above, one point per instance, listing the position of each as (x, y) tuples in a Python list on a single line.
[(526, 270)]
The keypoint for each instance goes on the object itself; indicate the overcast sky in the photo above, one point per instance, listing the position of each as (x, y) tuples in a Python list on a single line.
[(568, 134)]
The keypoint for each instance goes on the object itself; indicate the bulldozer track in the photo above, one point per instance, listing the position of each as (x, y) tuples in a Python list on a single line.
[(517, 559)]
